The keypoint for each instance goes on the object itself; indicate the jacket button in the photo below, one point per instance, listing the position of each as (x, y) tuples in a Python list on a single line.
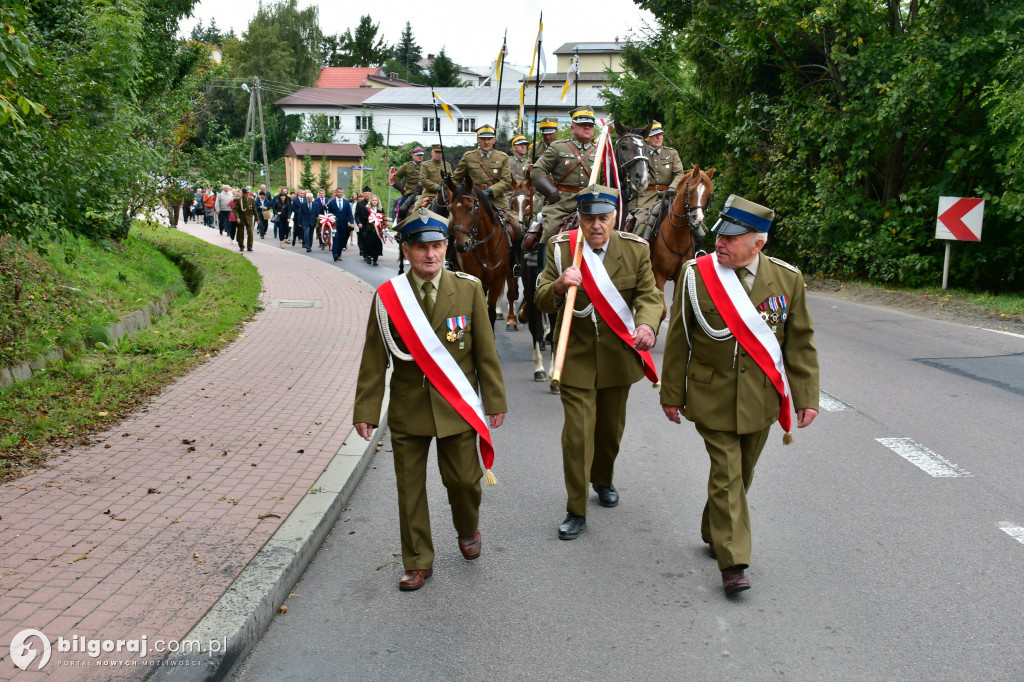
[(743, 370)]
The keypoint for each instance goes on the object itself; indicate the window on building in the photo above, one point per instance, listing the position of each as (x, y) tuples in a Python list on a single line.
[(334, 122), (428, 124), (467, 125), (364, 122)]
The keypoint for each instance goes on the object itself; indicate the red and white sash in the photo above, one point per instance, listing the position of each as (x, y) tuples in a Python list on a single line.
[(438, 365), (750, 330), (608, 302)]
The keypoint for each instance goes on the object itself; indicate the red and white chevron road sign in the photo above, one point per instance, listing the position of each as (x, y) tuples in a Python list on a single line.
[(960, 218)]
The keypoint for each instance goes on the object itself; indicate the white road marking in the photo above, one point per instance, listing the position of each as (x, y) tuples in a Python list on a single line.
[(1000, 331), (1014, 531), (830, 403), (924, 459)]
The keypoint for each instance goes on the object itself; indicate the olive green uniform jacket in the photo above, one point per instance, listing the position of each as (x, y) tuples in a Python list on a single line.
[(491, 172), (430, 177), (667, 170), (723, 392), (407, 176), (597, 358), (561, 163), (518, 166), (416, 408)]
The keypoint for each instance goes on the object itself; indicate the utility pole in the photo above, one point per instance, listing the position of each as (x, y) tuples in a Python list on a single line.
[(263, 132), (256, 108)]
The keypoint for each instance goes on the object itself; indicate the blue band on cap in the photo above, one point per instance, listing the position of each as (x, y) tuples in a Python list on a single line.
[(755, 221), (591, 198)]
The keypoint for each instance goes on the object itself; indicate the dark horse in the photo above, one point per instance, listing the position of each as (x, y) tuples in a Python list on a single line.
[(482, 242), (631, 154), (522, 204), (677, 237)]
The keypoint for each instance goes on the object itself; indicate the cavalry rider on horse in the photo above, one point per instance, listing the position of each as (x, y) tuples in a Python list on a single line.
[(667, 170), (407, 177), (548, 128), (490, 170), (562, 171), (432, 174), (519, 161)]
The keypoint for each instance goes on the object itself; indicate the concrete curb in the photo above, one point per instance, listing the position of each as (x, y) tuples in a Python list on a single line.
[(236, 622)]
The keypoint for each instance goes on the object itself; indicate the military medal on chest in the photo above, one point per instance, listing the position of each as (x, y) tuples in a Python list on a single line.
[(773, 310), (456, 328)]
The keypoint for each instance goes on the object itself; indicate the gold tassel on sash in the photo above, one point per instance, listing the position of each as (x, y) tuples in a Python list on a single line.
[(489, 478)]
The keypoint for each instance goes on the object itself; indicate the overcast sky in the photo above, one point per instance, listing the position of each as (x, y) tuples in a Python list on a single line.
[(470, 38)]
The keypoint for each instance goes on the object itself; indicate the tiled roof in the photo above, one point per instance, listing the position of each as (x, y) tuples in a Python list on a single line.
[(328, 97), (345, 76), (318, 149)]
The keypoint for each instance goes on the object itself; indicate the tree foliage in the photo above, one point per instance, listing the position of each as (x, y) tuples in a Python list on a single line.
[(306, 179), (444, 73), (317, 128), (850, 119), (363, 47), (323, 177), (407, 52)]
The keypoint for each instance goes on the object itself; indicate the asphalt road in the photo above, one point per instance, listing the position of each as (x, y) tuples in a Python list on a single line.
[(866, 565)]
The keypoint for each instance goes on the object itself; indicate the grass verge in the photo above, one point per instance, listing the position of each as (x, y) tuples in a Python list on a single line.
[(71, 399)]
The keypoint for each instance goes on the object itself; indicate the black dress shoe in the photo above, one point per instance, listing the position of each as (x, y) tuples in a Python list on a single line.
[(571, 527), (607, 495)]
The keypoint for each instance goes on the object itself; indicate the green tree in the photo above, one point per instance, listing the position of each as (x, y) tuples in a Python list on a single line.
[(331, 50), (211, 35), (323, 178), (444, 73), (364, 48), (407, 51), (317, 128), (371, 139), (307, 180)]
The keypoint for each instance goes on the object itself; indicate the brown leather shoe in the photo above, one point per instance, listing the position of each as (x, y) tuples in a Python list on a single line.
[(733, 580), (470, 547), (413, 580), (711, 551)]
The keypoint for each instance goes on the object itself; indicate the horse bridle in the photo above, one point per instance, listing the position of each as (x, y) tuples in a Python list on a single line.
[(639, 158), (473, 242), (688, 214), (528, 192)]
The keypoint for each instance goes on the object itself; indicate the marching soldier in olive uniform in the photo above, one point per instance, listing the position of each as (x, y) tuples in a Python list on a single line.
[(548, 128), (667, 170), (564, 170), (457, 314), (599, 366), (431, 174), (408, 176), (487, 167), (710, 377), (245, 213), (519, 161)]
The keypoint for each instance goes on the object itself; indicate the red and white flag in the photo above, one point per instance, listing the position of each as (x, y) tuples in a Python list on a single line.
[(438, 365)]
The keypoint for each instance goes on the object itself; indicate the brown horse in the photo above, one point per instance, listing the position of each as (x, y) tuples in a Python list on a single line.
[(482, 243), (675, 239)]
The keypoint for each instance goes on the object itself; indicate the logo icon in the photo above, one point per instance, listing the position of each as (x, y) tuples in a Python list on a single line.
[(22, 654)]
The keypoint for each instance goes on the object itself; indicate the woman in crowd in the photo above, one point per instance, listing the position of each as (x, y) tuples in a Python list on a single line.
[(376, 223), (282, 209), (236, 193), (186, 205), (209, 204)]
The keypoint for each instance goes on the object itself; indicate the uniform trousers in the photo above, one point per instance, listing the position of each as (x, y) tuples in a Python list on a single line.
[(726, 519), (591, 433), (460, 472), (243, 229)]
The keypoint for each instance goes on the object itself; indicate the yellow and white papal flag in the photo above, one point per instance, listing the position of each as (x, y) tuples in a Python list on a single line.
[(574, 68), (445, 105)]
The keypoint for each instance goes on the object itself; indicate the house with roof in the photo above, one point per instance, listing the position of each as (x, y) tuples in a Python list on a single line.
[(359, 77), (341, 158), (595, 58)]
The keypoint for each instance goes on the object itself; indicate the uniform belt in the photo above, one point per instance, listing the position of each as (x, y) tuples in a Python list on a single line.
[(568, 188), (660, 188)]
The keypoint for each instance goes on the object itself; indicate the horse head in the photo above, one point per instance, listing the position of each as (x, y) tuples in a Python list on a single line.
[(634, 164), (695, 191), (522, 199)]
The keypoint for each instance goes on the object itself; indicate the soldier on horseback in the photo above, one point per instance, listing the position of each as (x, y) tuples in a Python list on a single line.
[(563, 171), (432, 174), (667, 170), (519, 161), (488, 167)]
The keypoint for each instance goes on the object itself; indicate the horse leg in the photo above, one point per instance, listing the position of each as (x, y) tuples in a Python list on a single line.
[(539, 374), (511, 294)]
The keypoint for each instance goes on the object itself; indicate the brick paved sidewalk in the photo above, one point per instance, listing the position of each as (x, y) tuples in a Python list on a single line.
[(262, 420)]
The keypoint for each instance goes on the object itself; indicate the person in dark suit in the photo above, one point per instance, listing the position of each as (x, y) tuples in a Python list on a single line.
[(453, 313), (362, 216), (282, 209), (297, 200), (306, 217), (341, 209), (319, 209), (262, 205)]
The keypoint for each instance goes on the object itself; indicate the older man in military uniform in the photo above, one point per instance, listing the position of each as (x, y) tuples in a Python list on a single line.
[(432, 174), (564, 170), (487, 167), (600, 365), (726, 366), (245, 213), (519, 161), (666, 172), (447, 314)]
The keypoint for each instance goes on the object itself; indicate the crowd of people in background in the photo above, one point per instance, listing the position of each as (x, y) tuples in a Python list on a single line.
[(293, 216)]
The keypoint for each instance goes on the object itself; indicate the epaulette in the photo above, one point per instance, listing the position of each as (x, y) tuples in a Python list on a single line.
[(689, 263), (561, 237), (632, 237), (466, 275), (784, 264)]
